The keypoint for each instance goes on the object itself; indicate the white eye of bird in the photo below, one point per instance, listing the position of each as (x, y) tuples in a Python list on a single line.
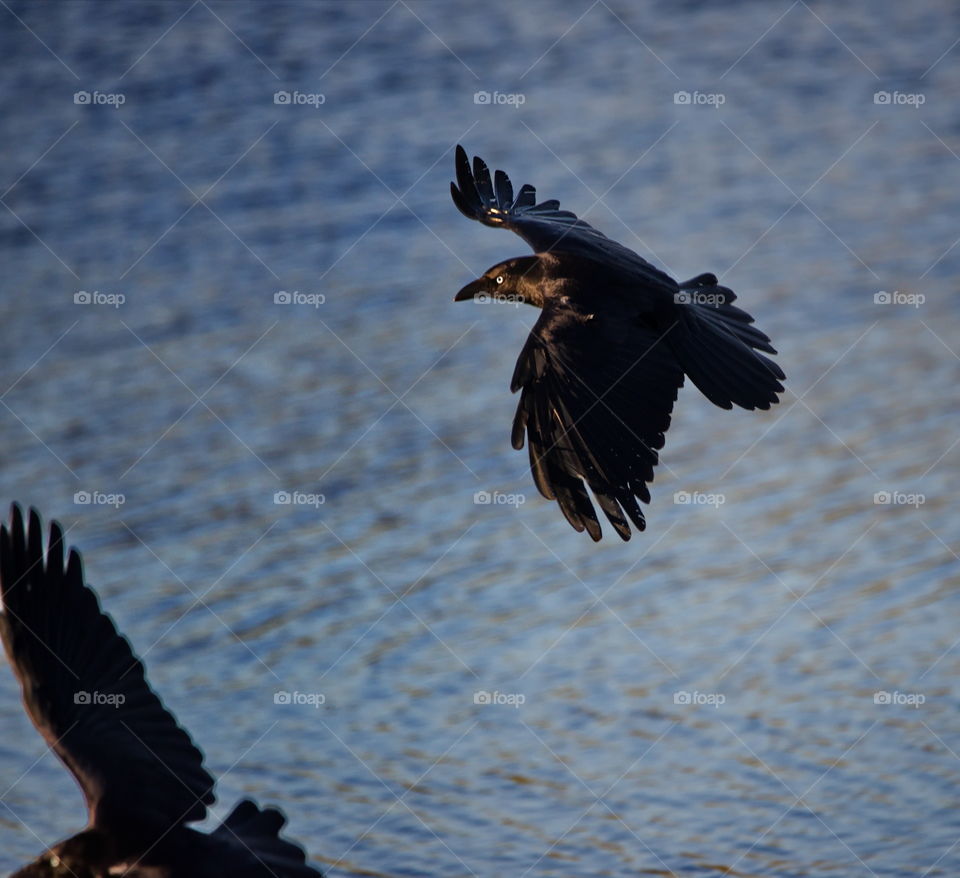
[(499, 278)]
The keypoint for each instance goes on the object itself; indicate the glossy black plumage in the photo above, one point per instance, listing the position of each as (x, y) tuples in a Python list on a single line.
[(141, 775), (600, 371)]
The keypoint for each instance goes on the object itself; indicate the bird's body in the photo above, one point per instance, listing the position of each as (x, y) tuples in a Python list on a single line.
[(141, 774), (600, 371)]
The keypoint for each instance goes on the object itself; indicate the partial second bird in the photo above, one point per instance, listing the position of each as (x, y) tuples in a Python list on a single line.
[(141, 774), (599, 373)]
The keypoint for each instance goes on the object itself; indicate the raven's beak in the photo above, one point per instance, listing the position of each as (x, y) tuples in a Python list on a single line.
[(470, 291)]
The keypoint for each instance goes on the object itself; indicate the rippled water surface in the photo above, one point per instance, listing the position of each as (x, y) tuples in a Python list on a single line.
[(779, 613)]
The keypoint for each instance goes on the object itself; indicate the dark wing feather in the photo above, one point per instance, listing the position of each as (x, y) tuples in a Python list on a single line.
[(504, 188), (135, 764), (544, 226), (249, 843), (595, 403)]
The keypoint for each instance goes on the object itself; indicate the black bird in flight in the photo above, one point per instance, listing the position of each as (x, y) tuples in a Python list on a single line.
[(600, 370), (141, 774)]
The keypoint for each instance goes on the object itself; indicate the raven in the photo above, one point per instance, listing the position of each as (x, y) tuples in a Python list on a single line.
[(141, 774), (600, 370)]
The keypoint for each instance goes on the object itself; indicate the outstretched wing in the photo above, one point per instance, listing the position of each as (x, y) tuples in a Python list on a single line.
[(85, 690), (543, 226), (595, 402), (249, 843)]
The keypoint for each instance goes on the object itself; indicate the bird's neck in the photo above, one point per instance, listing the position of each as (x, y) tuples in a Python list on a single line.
[(556, 276)]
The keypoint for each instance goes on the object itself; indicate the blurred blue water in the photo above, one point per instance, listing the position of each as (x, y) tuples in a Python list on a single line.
[(792, 603)]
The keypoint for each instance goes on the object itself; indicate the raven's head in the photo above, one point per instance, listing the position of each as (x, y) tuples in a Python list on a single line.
[(516, 280)]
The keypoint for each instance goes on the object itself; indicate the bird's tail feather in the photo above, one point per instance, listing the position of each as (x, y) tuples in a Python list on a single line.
[(717, 347)]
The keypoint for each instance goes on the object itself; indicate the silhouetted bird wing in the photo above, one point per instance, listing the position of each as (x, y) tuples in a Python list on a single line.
[(86, 693), (596, 400), (543, 226), (249, 843)]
